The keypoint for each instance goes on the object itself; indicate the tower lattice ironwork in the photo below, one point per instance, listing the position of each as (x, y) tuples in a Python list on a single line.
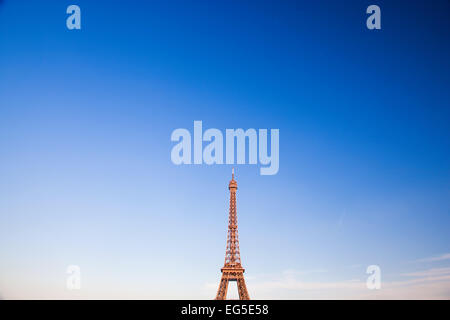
[(232, 269)]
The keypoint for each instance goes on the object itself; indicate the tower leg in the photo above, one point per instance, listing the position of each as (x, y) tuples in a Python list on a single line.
[(223, 287), (242, 289)]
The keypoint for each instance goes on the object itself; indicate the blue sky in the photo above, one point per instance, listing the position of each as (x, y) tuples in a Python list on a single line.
[(86, 177)]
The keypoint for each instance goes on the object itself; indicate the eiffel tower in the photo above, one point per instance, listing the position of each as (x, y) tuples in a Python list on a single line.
[(232, 269)]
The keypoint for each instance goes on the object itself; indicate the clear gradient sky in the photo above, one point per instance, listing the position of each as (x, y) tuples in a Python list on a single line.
[(86, 177)]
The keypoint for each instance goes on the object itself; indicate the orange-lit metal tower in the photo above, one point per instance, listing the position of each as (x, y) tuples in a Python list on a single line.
[(232, 269)]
